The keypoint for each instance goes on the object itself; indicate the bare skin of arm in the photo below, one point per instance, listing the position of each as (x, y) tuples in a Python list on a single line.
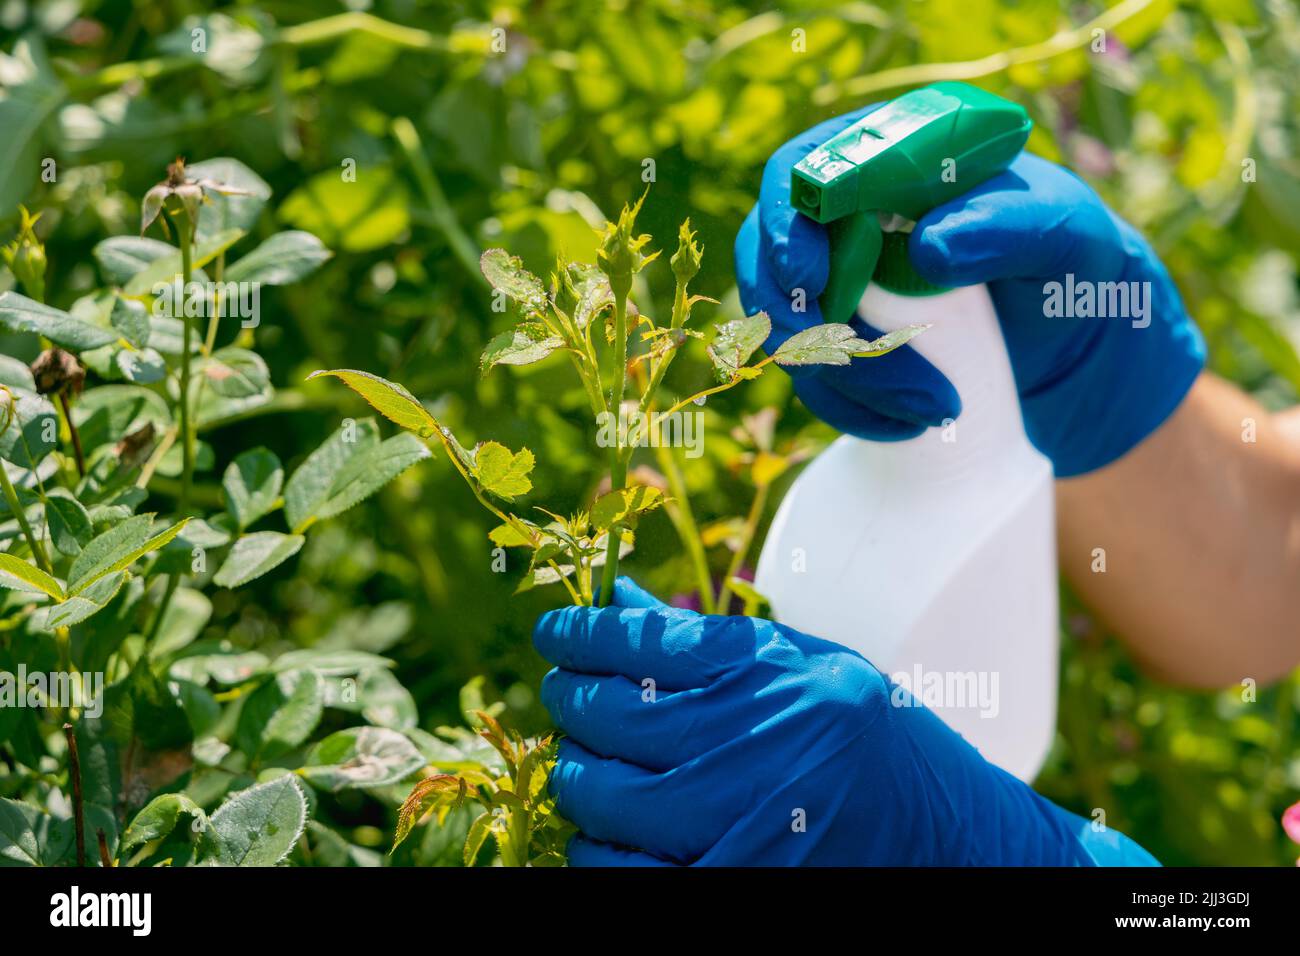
[(1201, 533)]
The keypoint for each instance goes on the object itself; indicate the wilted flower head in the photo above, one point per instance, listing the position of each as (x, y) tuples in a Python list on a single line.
[(192, 193), (25, 256), (56, 371)]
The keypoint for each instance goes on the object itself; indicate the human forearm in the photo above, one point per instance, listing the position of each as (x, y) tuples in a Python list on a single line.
[(1199, 535)]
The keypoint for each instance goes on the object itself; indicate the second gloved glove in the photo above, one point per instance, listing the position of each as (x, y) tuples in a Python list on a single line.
[(1091, 387), (736, 741)]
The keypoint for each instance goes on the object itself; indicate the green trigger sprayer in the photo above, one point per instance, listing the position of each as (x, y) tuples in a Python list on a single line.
[(933, 557), (889, 169)]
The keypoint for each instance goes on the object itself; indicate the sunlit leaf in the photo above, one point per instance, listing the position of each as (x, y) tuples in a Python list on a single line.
[(15, 573), (502, 472), (388, 398)]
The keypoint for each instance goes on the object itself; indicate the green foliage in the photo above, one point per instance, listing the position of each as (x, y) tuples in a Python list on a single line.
[(457, 148)]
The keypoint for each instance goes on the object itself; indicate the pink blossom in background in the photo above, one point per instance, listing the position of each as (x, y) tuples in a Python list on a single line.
[(1291, 821)]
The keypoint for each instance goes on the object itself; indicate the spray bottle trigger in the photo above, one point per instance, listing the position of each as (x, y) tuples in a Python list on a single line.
[(855, 243)]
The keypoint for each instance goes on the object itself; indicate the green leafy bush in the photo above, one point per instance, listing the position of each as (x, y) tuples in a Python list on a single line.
[(78, 466), (472, 126)]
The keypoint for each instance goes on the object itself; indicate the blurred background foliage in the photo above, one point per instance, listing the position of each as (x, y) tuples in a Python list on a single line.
[(524, 124)]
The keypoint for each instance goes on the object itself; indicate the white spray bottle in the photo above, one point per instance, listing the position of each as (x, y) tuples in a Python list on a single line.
[(934, 557)]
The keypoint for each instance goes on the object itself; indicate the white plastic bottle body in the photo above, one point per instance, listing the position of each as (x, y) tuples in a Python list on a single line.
[(935, 558)]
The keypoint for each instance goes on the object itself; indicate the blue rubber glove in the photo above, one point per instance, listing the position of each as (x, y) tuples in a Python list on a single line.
[(712, 740), (1090, 388)]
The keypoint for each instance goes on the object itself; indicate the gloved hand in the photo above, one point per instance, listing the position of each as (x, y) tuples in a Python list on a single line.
[(698, 739), (1090, 388)]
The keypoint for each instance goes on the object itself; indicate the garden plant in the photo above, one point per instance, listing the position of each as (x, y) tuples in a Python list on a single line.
[(587, 312), (314, 652)]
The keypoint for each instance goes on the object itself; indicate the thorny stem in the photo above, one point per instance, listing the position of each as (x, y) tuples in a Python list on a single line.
[(742, 549), (661, 367), (577, 599), (712, 391), (74, 774), (617, 459)]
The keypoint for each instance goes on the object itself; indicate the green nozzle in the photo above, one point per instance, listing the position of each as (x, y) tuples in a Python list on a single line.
[(911, 155)]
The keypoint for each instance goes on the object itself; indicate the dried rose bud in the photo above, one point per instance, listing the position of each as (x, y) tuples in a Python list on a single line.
[(190, 192), (56, 371), (131, 449)]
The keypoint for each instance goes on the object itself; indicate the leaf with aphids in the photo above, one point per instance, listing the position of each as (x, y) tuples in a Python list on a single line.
[(506, 273), (736, 341), (525, 344), (590, 289), (835, 343)]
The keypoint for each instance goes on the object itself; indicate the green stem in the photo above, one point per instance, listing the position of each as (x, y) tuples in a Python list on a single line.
[(341, 25), (218, 272), (72, 432), (617, 460), (11, 499), (661, 367), (577, 598), (682, 516), (173, 580), (462, 246), (862, 88), (185, 231), (746, 539), (725, 386)]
